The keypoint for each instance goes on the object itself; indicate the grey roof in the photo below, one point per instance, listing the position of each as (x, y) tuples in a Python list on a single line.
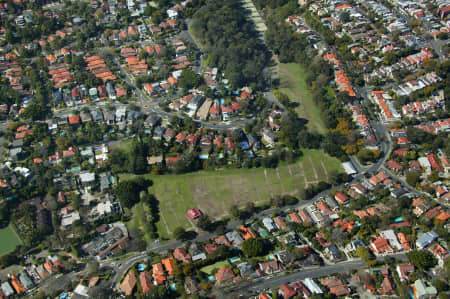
[(15, 151), (26, 281), (234, 237), (87, 177), (97, 115), (152, 120), (109, 115), (245, 269), (426, 239), (7, 289), (133, 115), (85, 116), (334, 251)]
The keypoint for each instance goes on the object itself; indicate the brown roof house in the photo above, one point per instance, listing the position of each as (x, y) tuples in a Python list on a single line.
[(128, 283), (180, 254), (224, 275)]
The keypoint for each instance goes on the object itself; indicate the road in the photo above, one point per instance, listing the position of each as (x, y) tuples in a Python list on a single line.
[(259, 284), (268, 282)]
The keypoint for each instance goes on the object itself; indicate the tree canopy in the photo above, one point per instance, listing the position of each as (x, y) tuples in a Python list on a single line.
[(231, 43), (422, 259), (253, 247)]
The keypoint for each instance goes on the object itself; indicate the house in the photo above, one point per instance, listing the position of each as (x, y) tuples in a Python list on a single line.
[(386, 285), (422, 291), (287, 291), (404, 241), (152, 120), (305, 217), (195, 103), (191, 285), (193, 213), (128, 283), (440, 253), (333, 252), (312, 286), (180, 254), (279, 222), (85, 117), (336, 286), (380, 245), (74, 120), (285, 257), (7, 289), (69, 219), (245, 269), (87, 179), (158, 273), (270, 267), (392, 239), (394, 165), (353, 245), (97, 115), (295, 218), (235, 238), (340, 197), (426, 239), (146, 281), (404, 270), (224, 275), (17, 285), (109, 117), (25, 280), (168, 265), (269, 224), (247, 233)]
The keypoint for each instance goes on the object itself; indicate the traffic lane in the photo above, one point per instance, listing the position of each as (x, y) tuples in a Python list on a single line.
[(264, 283)]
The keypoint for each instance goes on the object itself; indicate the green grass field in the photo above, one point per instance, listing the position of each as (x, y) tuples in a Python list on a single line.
[(293, 84), (214, 192), (9, 240), (219, 265)]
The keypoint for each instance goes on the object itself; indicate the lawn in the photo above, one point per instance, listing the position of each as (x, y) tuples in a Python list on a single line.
[(9, 240), (214, 192), (124, 145), (219, 265), (293, 84)]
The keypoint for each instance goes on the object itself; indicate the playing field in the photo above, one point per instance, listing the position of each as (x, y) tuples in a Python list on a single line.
[(214, 192), (292, 83), (219, 265), (8, 240)]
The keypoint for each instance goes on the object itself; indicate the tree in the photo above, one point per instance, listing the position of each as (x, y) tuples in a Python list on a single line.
[(128, 191), (180, 233), (189, 79), (235, 212), (205, 223), (76, 201), (34, 112), (253, 247), (364, 253), (93, 267), (412, 178), (422, 259)]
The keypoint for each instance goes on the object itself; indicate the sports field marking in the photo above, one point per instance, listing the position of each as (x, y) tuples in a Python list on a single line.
[(254, 186), (314, 169), (182, 198), (267, 182), (325, 170), (281, 182)]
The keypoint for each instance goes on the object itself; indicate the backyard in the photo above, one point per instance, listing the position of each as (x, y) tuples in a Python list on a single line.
[(214, 192), (219, 265), (9, 240), (292, 83)]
